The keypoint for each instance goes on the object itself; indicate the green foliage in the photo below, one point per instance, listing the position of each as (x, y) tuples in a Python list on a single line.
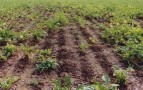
[(79, 20), (99, 86), (129, 41), (58, 85), (46, 65), (6, 83), (22, 36), (45, 52), (132, 53), (121, 75), (38, 34), (34, 82), (59, 19), (42, 54), (6, 35), (83, 46), (7, 51), (123, 34), (27, 50), (2, 58), (93, 40)]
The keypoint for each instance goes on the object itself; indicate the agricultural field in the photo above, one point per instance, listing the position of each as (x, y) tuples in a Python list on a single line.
[(71, 45)]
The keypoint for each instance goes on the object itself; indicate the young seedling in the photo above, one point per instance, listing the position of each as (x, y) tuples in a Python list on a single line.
[(39, 34), (107, 85), (79, 20), (45, 52), (6, 36), (34, 82), (42, 54), (7, 51), (22, 36), (58, 85), (58, 20), (6, 83), (93, 40), (26, 50), (47, 64), (83, 46), (120, 74), (2, 58)]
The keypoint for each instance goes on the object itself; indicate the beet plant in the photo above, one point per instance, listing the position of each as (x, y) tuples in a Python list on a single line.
[(6, 36), (46, 65), (27, 50), (7, 51), (6, 83), (39, 34), (84, 46), (59, 19)]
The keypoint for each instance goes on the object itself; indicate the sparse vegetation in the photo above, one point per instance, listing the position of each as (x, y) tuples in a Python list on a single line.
[(34, 82), (120, 74), (82, 38), (6, 83)]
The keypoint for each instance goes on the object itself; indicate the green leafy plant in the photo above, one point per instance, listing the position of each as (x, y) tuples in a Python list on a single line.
[(45, 52), (128, 41), (42, 54), (79, 20), (58, 20), (7, 51), (46, 65), (6, 35), (6, 83), (38, 34), (93, 40), (99, 86), (2, 58), (83, 46), (22, 36), (58, 85), (27, 50), (132, 53), (120, 74), (34, 82)]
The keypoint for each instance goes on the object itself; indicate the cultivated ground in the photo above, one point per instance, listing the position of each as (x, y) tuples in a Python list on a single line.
[(64, 36)]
